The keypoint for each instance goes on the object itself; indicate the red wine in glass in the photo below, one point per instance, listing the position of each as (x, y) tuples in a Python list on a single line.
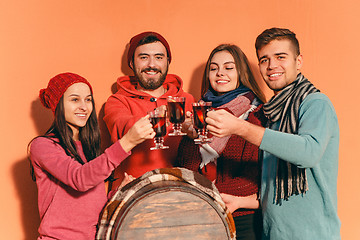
[(176, 110), (158, 120), (199, 114), (159, 126), (199, 117)]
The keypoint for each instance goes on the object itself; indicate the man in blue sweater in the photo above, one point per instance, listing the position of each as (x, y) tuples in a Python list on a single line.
[(300, 146)]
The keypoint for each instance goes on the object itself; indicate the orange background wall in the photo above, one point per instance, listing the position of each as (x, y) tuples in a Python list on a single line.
[(40, 39)]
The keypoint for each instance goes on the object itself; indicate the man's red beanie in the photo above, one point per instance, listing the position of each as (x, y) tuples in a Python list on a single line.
[(134, 42)]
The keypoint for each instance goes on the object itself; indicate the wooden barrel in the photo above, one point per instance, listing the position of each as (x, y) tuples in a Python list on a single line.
[(169, 203)]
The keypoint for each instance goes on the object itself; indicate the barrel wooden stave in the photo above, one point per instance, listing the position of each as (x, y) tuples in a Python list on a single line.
[(170, 211), (169, 203)]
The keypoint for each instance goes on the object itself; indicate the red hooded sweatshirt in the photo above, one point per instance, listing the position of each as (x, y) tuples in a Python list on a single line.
[(128, 105)]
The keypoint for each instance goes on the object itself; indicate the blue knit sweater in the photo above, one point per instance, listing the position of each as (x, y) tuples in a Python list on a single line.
[(316, 148)]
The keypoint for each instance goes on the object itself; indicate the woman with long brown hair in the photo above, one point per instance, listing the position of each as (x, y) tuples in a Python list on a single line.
[(66, 162), (230, 162)]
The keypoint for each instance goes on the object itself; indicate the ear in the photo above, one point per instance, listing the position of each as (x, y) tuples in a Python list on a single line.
[(299, 62), (132, 64)]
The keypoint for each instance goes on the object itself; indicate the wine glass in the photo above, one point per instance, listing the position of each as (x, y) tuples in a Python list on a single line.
[(176, 111), (200, 110), (158, 120)]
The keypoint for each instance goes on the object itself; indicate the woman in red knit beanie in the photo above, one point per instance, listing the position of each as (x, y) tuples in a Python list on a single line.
[(66, 162), (230, 162)]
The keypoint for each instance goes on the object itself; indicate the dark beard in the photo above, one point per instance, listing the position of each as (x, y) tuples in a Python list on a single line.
[(151, 83)]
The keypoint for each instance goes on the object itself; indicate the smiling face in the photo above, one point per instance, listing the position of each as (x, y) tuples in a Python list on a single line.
[(223, 76), (150, 65), (78, 106), (278, 63)]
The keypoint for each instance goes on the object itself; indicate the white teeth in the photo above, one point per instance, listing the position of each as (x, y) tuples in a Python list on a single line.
[(80, 115), (151, 73), (275, 74), (222, 81)]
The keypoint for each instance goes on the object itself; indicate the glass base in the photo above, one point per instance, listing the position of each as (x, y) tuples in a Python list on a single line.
[(202, 139), (159, 147), (177, 130), (159, 141), (177, 133)]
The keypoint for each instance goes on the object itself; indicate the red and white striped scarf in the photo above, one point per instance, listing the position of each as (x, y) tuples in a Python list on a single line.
[(240, 107)]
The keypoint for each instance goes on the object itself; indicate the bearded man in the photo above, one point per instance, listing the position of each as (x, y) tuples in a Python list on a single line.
[(149, 57)]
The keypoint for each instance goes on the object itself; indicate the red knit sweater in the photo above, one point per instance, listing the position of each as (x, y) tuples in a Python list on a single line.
[(237, 169)]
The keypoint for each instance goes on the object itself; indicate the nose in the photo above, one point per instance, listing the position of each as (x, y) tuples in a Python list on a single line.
[(272, 64), (151, 61), (219, 72), (83, 106)]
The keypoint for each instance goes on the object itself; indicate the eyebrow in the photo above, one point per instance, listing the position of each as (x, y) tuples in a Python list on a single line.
[(276, 54), (77, 95), (147, 54), (224, 62)]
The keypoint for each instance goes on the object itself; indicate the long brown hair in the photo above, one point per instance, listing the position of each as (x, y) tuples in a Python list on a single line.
[(61, 133), (245, 74)]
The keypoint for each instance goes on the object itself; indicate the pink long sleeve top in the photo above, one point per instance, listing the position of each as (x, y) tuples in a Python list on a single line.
[(70, 195)]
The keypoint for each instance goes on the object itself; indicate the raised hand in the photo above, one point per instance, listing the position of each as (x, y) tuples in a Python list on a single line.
[(138, 133), (221, 123)]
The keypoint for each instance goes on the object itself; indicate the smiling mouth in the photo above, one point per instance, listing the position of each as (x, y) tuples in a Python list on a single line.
[(275, 75), (151, 71), (222, 81), (81, 115)]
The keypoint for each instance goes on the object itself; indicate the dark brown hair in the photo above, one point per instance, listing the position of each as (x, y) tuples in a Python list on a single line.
[(277, 34)]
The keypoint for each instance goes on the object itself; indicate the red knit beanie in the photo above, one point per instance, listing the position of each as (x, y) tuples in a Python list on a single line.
[(51, 95), (134, 43)]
